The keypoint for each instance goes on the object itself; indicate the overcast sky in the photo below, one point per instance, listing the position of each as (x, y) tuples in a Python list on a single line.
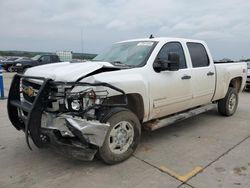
[(46, 25)]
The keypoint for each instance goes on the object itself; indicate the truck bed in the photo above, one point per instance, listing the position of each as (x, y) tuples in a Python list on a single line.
[(224, 73)]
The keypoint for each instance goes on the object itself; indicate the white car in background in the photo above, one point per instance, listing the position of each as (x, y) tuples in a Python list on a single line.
[(248, 76)]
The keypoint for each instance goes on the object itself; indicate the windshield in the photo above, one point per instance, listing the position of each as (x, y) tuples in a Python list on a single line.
[(248, 65), (128, 53), (36, 57), (22, 59), (12, 59)]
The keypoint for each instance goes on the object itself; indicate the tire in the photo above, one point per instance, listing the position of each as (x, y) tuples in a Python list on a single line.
[(122, 137), (228, 105), (9, 69)]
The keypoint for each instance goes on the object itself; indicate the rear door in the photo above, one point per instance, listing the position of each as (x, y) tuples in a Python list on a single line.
[(203, 74)]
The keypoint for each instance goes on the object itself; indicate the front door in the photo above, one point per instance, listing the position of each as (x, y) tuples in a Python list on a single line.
[(171, 91)]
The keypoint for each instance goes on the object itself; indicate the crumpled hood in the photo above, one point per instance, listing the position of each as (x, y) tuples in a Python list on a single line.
[(65, 71)]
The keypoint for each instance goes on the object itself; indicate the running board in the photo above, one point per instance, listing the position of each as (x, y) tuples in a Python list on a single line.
[(159, 123)]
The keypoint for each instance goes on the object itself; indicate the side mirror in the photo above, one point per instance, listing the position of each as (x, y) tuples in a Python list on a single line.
[(160, 65), (171, 64)]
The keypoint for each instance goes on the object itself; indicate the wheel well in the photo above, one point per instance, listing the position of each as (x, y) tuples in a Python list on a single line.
[(236, 83), (135, 103)]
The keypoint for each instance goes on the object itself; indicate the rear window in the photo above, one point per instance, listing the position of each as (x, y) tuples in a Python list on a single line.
[(198, 54)]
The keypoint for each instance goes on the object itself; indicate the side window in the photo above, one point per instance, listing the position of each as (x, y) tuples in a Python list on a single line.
[(54, 58), (176, 48), (198, 54), (45, 59)]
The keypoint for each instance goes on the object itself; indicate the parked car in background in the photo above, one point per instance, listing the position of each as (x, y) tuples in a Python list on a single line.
[(10, 62), (248, 76), (2, 59), (11, 58), (7, 60), (35, 61)]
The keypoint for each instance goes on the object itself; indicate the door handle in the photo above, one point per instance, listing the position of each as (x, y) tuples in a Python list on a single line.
[(186, 77), (210, 73)]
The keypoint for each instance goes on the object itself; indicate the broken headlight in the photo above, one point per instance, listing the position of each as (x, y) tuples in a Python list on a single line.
[(76, 105), (79, 101)]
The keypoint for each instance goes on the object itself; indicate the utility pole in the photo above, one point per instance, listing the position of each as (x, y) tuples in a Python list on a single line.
[(82, 41)]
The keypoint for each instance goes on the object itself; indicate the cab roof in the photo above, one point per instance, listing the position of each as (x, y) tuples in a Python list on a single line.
[(163, 39)]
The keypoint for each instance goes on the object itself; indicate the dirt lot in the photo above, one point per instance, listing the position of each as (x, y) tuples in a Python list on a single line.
[(204, 151)]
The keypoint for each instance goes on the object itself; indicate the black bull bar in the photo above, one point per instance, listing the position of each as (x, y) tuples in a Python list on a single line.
[(31, 122)]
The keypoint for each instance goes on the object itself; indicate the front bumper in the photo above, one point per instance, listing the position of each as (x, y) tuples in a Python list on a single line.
[(75, 137), (69, 148), (78, 137), (17, 68), (87, 131)]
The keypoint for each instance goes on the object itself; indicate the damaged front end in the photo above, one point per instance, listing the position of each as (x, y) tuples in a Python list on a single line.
[(64, 115)]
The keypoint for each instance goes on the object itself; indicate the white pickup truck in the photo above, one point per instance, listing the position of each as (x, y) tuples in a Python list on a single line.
[(100, 106)]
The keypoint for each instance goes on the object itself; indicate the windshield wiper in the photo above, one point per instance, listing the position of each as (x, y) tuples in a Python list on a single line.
[(119, 63)]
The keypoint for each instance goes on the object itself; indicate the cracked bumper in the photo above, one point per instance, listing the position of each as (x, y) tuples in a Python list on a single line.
[(88, 131), (75, 137)]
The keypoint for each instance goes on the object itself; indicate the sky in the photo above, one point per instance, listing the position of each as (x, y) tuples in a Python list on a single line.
[(92, 26)]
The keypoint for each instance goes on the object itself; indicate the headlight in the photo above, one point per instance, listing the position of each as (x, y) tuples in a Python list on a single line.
[(87, 99), (76, 105), (80, 101), (19, 64)]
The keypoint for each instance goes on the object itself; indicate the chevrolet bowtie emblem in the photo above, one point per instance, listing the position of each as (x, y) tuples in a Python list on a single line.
[(29, 91)]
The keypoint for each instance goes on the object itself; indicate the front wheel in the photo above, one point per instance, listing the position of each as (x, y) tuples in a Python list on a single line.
[(9, 69), (228, 105), (122, 138)]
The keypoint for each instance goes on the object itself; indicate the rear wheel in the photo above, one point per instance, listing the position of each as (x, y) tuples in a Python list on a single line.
[(122, 138), (228, 105)]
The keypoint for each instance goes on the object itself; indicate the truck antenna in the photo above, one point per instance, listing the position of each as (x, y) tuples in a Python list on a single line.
[(82, 42)]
